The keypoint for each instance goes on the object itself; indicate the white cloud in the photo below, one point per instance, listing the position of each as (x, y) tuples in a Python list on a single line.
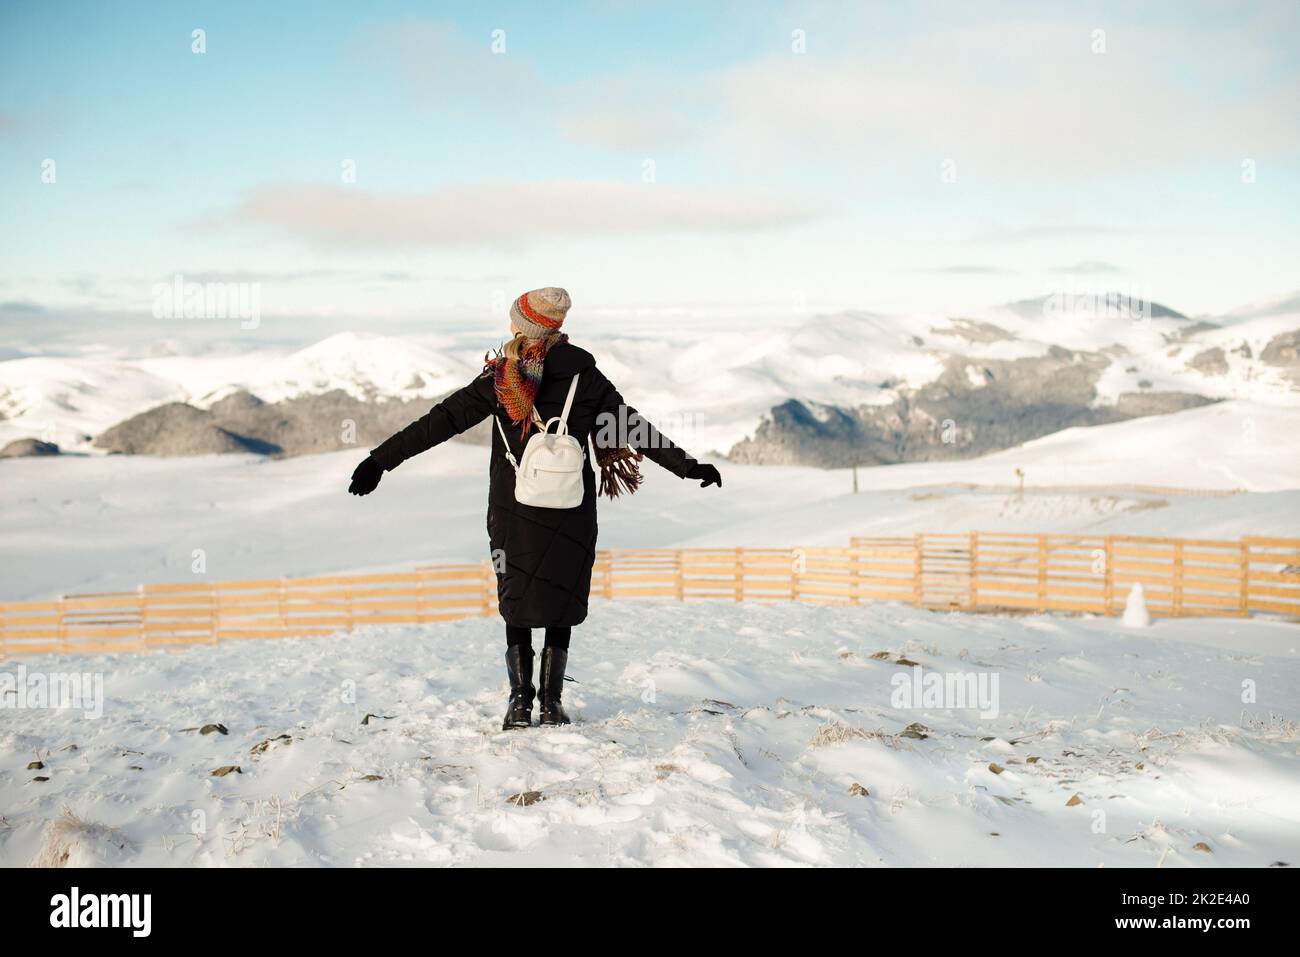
[(509, 213), (628, 130), (1090, 267), (1009, 96), (1027, 100), (437, 61)]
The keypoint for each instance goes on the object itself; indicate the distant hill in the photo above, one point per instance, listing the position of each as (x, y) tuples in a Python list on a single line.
[(27, 448), (242, 422)]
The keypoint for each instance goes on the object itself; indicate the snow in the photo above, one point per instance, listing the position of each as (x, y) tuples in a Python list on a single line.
[(137, 519), (1162, 365), (1235, 444), (1135, 608), (705, 734), (70, 400)]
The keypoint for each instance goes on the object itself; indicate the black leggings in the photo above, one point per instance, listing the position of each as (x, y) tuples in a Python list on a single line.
[(555, 637)]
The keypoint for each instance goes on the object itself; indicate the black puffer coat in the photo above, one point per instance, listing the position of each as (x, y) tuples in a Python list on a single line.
[(547, 552)]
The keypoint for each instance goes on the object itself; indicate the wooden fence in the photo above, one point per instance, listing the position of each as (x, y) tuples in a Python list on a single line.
[(208, 612), (993, 571), (978, 571)]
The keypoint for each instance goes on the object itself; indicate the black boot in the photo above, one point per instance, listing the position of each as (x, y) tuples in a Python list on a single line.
[(552, 685), (519, 713)]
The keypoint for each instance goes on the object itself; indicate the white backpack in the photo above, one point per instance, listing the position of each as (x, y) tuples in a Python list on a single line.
[(550, 473)]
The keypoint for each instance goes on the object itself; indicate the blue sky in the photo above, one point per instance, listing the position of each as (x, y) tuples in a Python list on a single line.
[(782, 180)]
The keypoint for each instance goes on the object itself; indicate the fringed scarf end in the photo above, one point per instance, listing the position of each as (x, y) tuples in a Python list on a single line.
[(619, 471)]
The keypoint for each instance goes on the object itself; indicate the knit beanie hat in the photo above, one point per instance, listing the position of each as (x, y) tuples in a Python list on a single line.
[(541, 312)]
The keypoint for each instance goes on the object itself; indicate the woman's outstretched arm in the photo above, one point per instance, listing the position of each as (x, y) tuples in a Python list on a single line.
[(460, 411), (630, 428)]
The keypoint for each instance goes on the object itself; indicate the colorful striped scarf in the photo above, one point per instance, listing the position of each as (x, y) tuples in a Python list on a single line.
[(516, 381)]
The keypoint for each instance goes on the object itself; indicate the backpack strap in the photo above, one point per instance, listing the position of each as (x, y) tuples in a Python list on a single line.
[(506, 442), (568, 402), (563, 417)]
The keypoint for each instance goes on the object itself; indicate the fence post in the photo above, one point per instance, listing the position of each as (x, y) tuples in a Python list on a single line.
[(1178, 578), (1244, 601), (973, 591), (740, 573), (1042, 573), (918, 547), (141, 611), (216, 614), (1108, 586), (284, 609), (609, 574), (489, 583), (855, 575), (679, 583), (62, 631)]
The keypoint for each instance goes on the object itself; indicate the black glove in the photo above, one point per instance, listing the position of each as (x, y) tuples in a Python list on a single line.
[(366, 478), (707, 474)]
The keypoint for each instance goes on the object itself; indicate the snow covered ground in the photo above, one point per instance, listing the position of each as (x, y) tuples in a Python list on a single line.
[(80, 523), (705, 734)]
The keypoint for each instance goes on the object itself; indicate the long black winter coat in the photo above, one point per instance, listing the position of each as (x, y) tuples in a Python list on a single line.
[(548, 552)]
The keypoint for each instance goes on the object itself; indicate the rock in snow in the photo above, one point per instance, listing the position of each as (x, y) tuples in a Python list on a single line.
[(22, 448)]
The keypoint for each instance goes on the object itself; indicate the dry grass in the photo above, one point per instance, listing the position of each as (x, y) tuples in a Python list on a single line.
[(70, 841), (1271, 725), (837, 732)]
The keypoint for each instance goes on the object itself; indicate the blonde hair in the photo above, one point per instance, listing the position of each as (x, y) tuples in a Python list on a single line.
[(513, 349)]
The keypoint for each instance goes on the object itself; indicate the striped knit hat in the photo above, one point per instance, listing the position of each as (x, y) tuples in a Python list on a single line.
[(541, 312)]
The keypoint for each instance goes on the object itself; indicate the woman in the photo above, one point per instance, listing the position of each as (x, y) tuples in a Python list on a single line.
[(542, 556)]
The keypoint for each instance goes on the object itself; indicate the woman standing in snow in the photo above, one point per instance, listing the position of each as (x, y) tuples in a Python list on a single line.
[(543, 556)]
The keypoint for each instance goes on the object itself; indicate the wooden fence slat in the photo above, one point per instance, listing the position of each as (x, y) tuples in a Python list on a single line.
[(1291, 543), (1275, 606), (1274, 591), (1292, 578)]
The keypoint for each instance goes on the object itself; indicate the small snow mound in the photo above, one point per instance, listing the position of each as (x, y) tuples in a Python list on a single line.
[(1135, 608), (69, 841)]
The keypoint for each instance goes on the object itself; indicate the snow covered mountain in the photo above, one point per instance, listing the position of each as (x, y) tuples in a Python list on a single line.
[(70, 401), (919, 389), (365, 367)]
